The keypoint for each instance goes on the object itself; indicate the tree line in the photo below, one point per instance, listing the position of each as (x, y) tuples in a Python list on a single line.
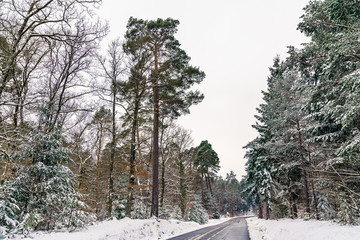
[(88, 135), (305, 160)]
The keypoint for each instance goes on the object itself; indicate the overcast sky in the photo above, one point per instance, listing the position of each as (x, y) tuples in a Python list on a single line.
[(234, 42)]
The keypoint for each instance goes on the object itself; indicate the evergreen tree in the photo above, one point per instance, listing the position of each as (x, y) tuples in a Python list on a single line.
[(9, 210), (311, 114), (198, 213), (44, 191), (208, 162), (171, 77)]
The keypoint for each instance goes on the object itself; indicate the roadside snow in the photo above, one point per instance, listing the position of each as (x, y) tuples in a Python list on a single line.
[(288, 229), (126, 229)]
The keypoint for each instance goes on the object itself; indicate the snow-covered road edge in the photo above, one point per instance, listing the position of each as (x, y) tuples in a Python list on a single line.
[(298, 229), (136, 229)]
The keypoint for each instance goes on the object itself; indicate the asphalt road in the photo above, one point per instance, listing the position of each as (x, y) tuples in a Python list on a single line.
[(234, 229)]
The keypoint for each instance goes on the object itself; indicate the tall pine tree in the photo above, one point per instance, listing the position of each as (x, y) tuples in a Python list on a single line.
[(171, 78)]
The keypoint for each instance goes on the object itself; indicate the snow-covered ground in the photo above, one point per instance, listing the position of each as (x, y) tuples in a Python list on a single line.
[(126, 229), (287, 229)]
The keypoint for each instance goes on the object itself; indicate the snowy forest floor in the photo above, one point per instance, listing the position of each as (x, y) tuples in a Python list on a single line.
[(288, 229), (125, 229)]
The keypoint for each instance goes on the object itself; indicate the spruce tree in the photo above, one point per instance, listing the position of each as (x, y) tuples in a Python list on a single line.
[(44, 190), (9, 210)]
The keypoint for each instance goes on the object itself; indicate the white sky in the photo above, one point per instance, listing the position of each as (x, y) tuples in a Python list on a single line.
[(234, 42)]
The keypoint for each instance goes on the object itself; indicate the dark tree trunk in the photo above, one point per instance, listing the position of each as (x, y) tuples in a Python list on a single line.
[(81, 177), (132, 160), (202, 188), (16, 114), (290, 206), (312, 186), (112, 154), (182, 189), (261, 215), (98, 175), (294, 210), (162, 182), (267, 210), (155, 182), (162, 168), (306, 186), (209, 182)]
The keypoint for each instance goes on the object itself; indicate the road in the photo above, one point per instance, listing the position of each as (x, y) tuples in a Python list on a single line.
[(234, 229)]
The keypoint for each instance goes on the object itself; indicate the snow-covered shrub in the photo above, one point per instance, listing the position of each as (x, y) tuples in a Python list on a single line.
[(30, 221), (216, 215), (139, 210), (120, 196), (347, 213), (209, 201), (176, 214), (198, 213), (164, 212), (8, 210), (53, 199), (325, 208), (119, 209), (44, 190)]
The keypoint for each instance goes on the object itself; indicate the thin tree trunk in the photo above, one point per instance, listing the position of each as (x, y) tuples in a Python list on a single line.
[(155, 182), (16, 113), (162, 182), (162, 168), (202, 189), (112, 153), (98, 173), (207, 182), (81, 177), (312, 186), (22, 102), (306, 187), (208, 177), (293, 207), (290, 205), (132, 160), (182, 188)]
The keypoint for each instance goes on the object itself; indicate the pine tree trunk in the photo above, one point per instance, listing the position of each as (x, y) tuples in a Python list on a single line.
[(306, 187), (155, 182), (162, 169), (182, 188), (202, 189), (209, 182), (267, 210), (260, 208), (162, 182), (132, 160)]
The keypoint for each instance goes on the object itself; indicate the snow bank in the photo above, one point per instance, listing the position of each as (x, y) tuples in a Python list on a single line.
[(288, 229), (126, 229)]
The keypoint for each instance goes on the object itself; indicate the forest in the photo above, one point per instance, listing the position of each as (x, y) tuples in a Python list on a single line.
[(305, 161), (89, 134)]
